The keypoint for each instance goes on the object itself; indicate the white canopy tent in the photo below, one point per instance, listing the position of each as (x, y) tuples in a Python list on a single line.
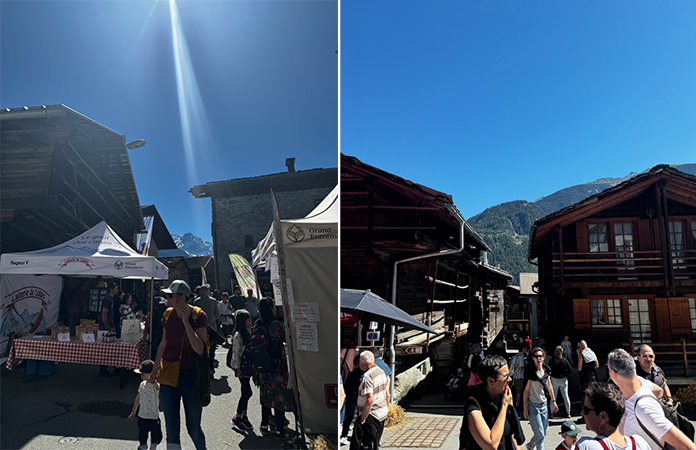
[(98, 251), (309, 263)]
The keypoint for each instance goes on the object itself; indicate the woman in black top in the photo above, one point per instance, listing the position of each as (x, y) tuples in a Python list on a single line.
[(490, 422), (560, 370)]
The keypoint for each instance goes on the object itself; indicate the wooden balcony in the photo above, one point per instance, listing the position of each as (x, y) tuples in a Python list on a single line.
[(624, 269)]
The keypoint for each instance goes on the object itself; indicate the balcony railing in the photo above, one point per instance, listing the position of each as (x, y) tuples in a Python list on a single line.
[(518, 315), (645, 266)]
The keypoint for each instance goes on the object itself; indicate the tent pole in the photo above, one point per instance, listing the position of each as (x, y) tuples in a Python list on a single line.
[(152, 308)]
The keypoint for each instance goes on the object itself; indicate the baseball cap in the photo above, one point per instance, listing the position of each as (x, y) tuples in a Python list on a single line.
[(568, 427), (145, 366), (178, 287)]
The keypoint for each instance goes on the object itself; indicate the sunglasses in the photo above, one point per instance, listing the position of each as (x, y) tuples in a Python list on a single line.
[(538, 356), (586, 410), (168, 295), (648, 356)]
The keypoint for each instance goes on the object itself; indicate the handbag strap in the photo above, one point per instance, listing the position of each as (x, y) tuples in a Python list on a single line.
[(641, 423)]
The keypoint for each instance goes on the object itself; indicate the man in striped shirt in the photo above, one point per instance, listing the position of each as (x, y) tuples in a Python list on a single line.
[(373, 404)]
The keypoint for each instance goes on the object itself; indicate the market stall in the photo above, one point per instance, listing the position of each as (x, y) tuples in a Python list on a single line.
[(28, 307), (305, 255)]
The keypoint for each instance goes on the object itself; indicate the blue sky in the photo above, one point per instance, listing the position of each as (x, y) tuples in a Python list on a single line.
[(218, 89), (494, 101)]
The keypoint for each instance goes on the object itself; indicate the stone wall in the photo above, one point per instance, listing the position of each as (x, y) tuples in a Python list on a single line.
[(241, 222)]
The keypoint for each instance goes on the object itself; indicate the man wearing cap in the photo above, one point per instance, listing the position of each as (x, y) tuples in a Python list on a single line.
[(646, 368), (182, 337), (210, 306), (238, 301)]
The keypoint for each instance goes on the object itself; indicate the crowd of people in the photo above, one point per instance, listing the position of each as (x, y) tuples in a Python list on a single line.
[(625, 412), (182, 324)]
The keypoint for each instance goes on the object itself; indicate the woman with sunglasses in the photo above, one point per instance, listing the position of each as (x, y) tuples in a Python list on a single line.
[(603, 408), (537, 392), (490, 422)]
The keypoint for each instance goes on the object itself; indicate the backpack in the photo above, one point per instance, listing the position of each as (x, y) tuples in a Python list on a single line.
[(260, 347), (671, 413)]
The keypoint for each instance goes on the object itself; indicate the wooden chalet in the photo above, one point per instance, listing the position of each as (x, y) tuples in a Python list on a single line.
[(60, 174), (620, 266), (385, 219)]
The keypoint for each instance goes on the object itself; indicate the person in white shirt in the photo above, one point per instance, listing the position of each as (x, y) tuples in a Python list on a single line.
[(373, 404), (648, 411), (603, 409), (147, 405)]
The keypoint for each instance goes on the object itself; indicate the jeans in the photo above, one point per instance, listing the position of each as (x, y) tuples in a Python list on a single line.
[(170, 400), (246, 395), (350, 405), (539, 421), (562, 384)]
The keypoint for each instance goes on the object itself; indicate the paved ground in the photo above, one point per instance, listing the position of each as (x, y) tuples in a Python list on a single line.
[(76, 409)]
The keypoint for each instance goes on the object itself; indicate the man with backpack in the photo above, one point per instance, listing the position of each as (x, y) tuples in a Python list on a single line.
[(644, 414)]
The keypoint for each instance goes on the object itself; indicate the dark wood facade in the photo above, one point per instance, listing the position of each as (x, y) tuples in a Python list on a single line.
[(620, 266), (385, 219), (60, 174)]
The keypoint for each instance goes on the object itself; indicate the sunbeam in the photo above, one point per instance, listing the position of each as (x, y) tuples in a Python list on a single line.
[(194, 123)]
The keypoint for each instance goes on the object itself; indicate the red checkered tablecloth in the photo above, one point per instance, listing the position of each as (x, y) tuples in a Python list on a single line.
[(119, 354)]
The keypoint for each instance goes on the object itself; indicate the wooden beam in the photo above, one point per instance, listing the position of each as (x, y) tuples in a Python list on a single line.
[(27, 203), (445, 283), (389, 228), (99, 179)]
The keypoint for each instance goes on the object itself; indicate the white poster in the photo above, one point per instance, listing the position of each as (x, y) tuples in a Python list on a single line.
[(306, 312), (307, 337), (29, 305)]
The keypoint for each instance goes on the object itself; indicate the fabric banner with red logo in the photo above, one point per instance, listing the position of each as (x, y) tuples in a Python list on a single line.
[(30, 304)]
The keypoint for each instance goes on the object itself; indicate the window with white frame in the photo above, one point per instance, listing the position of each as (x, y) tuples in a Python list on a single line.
[(623, 243), (692, 313), (599, 241), (676, 242), (606, 312)]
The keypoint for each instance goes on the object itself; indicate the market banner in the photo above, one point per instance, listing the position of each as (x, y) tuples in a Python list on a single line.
[(244, 273), (30, 304)]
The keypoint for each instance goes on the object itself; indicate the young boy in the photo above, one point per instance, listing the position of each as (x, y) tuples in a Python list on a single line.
[(569, 432), (148, 415)]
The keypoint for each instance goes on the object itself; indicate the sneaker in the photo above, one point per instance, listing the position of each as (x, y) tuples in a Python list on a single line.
[(247, 424), (345, 440), (265, 428), (237, 423)]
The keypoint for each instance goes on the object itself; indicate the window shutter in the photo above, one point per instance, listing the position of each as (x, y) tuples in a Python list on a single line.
[(581, 313), (662, 320), (679, 317), (581, 233)]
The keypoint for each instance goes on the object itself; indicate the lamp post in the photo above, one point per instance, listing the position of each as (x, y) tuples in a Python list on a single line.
[(136, 144)]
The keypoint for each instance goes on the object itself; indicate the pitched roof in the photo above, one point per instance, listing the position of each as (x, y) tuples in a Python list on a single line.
[(679, 186)]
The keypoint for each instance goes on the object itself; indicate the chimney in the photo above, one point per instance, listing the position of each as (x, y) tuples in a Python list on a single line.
[(290, 164)]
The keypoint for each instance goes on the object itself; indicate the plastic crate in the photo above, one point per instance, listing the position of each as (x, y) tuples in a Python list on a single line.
[(44, 368)]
